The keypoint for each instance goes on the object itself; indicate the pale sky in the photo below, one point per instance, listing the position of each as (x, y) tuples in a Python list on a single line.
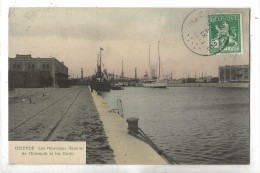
[(74, 35)]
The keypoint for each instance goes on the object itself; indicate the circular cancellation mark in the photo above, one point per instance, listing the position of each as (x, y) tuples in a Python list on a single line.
[(195, 32)]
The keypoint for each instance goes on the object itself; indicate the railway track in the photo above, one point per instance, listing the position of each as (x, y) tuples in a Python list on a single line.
[(42, 124), (53, 129), (36, 114)]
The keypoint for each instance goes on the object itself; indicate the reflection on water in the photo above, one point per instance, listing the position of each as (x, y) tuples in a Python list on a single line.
[(192, 125)]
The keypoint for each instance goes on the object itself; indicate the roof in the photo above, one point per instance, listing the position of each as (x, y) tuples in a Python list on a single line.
[(28, 57)]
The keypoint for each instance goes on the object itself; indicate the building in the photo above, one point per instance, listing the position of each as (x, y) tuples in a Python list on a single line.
[(234, 73), (26, 71)]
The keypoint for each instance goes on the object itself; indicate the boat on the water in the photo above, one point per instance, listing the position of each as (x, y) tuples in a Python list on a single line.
[(100, 81), (101, 85), (154, 82), (116, 87)]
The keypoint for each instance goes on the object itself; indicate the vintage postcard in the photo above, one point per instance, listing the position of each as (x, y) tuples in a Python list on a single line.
[(129, 86)]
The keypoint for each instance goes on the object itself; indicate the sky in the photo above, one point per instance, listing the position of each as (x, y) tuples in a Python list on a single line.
[(75, 35)]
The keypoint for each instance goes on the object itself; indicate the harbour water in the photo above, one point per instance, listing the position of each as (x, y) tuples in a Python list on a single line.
[(193, 125)]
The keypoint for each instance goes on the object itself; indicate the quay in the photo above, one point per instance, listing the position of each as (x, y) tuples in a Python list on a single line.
[(219, 85), (76, 114), (126, 148)]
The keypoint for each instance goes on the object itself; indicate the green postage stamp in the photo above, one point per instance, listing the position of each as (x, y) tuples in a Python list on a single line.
[(225, 33)]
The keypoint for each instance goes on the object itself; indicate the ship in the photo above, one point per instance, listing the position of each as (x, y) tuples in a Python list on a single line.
[(154, 82), (101, 81), (116, 87)]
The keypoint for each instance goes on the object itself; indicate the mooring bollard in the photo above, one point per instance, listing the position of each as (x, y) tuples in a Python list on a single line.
[(132, 125), (91, 87)]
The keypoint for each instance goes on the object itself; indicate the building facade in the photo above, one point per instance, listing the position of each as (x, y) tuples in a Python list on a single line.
[(33, 71), (234, 73)]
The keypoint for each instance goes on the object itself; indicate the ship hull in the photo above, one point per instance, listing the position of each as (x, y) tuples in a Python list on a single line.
[(102, 86), (156, 84), (116, 88)]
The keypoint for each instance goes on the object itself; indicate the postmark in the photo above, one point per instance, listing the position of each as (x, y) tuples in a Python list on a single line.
[(196, 30), (225, 33)]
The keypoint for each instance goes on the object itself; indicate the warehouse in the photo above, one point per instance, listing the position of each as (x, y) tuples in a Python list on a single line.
[(234, 73), (28, 72)]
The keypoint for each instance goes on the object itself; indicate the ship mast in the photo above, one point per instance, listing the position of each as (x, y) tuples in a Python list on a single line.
[(100, 63), (100, 58), (150, 73), (159, 58)]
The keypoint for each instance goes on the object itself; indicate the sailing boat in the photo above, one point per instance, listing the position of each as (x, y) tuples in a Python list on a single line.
[(156, 82)]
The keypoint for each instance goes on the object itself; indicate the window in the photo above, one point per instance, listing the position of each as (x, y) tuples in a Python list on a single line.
[(18, 66), (29, 66), (239, 71), (48, 66), (233, 74), (14, 66), (246, 77), (33, 66), (227, 73), (43, 66)]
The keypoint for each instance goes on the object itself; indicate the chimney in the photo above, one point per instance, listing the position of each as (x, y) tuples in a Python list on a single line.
[(135, 73), (122, 74)]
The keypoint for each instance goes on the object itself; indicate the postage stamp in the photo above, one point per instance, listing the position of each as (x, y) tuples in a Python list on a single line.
[(224, 33), (208, 32)]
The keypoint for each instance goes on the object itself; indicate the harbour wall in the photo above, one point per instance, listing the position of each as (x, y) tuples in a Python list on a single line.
[(127, 149), (224, 85)]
